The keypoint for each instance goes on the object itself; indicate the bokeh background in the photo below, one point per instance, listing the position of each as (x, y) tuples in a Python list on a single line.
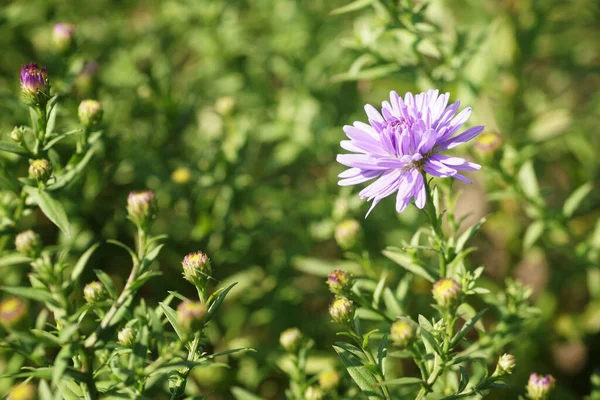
[(231, 111)]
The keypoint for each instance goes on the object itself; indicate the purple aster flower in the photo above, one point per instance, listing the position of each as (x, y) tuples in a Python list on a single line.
[(401, 143), (33, 79)]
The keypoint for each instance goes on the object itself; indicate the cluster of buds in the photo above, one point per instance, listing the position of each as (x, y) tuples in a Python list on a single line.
[(94, 292), (446, 293), (197, 269), (29, 243), (347, 234), (342, 310), (126, 336), (329, 380), (40, 170), (506, 365), (35, 85), (313, 393), (340, 282), (539, 386), (191, 315), (23, 391), (141, 207), (12, 312), (291, 340), (63, 36), (402, 332), (90, 112)]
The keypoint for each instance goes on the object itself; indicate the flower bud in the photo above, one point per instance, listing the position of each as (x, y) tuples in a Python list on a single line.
[(329, 380), (313, 393), (339, 281), (196, 268), (539, 387), (487, 143), (291, 339), (446, 292), (90, 112), (342, 310), (225, 105), (34, 84), (63, 35), (126, 336), (17, 134), (506, 365), (402, 332), (347, 234), (28, 243), (141, 207), (191, 314), (181, 175), (12, 312), (94, 292), (40, 170), (23, 391)]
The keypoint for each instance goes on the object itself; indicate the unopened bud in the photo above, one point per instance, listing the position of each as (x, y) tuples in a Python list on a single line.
[(487, 143), (63, 36), (40, 170), (181, 175), (347, 234), (506, 365), (28, 243), (329, 380), (126, 336), (446, 292), (291, 339), (342, 310), (35, 85), (339, 281), (313, 393), (90, 112), (12, 312), (539, 386), (141, 207), (191, 314), (17, 134), (196, 268), (23, 391), (94, 292), (402, 332)]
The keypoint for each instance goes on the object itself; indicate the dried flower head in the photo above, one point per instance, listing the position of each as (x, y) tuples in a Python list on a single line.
[(342, 310), (446, 292), (63, 35), (339, 281), (539, 386), (12, 311), (347, 234), (401, 145), (126, 336), (141, 207), (40, 170), (290, 340), (313, 393), (402, 332), (90, 112), (94, 292), (197, 268), (191, 314), (329, 380), (28, 242), (23, 391)]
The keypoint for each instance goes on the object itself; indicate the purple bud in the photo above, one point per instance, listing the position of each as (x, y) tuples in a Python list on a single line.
[(34, 79), (63, 34), (539, 386)]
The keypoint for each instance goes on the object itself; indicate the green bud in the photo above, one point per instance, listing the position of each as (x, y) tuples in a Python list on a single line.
[(23, 391), (329, 380), (28, 243), (347, 234), (141, 207), (190, 315), (90, 112), (291, 339), (342, 310), (313, 393), (94, 292), (17, 134), (40, 170), (126, 336), (506, 365), (197, 269), (402, 332), (339, 281), (446, 292)]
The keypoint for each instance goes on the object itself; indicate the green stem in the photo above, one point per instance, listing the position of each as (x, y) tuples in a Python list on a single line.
[(179, 390), (436, 224)]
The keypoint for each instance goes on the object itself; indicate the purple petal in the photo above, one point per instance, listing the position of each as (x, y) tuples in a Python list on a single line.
[(420, 192), (460, 139), (363, 161), (456, 162)]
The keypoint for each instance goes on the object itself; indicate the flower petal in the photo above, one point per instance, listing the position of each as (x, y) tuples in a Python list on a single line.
[(460, 139)]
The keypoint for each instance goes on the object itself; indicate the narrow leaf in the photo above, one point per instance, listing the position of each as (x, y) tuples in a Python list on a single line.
[(574, 200), (408, 263), (532, 234), (50, 207), (354, 6), (12, 148), (172, 317), (82, 262), (466, 328), (362, 375), (107, 282)]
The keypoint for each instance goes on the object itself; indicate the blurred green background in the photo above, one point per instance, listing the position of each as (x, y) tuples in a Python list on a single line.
[(231, 111)]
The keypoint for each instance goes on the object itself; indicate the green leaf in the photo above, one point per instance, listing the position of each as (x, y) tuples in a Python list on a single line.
[(107, 282), (217, 303), (82, 262), (50, 207), (382, 353), (368, 73), (430, 339), (354, 6), (243, 394), (467, 312), (36, 294), (172, 317), (468, 234), (13, 259), (409, 263), (362, 375), (391, 304), (124, 246), (464, 379), (61, 362), (71, 174), (528, 181), (532, 234), (60, 137), (379, 290), (13, 148), (574, 200), (407, 380), (51, 118), (466, 328)]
